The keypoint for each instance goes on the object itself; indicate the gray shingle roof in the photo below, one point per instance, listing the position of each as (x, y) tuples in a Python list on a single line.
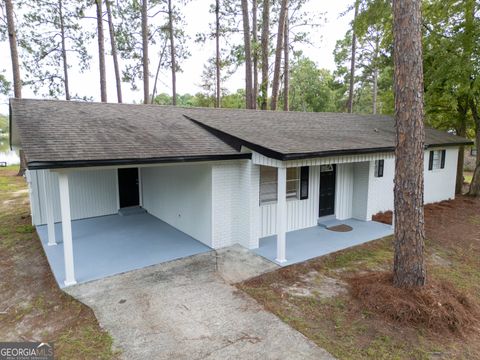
[(57, 133), (69, 131), (290, 135)]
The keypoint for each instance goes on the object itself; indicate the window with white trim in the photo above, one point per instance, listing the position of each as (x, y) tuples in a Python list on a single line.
[(436, 159), (293, 182), (268, 184)]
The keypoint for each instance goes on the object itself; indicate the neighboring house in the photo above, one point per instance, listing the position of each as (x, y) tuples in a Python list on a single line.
[(219, 176)]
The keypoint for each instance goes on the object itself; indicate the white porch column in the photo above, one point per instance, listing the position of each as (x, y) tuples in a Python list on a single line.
[(49, 210), (281, 214), (66, 229)]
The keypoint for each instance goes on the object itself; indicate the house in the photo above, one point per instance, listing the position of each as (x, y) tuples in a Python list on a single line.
[(115, 187)]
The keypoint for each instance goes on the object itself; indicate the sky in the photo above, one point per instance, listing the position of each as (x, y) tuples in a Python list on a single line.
[(197, 18)]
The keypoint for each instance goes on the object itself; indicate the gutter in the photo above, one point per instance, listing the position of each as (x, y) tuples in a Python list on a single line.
[(38, 165)]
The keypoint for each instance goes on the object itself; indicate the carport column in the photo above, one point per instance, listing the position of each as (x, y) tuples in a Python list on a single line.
[(281, 213), (49, 210), (66, 229)]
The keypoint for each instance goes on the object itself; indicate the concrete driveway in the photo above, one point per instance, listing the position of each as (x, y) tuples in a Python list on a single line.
[(188, 309)]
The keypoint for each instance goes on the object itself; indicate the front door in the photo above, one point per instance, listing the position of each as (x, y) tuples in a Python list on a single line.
[(327, 190), (128, 187)]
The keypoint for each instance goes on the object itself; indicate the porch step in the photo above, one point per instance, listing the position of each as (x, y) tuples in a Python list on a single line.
[(328, 221), (132, 210)]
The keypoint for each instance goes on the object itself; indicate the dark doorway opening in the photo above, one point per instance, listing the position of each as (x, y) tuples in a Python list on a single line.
[(128, 190), (327, 190)]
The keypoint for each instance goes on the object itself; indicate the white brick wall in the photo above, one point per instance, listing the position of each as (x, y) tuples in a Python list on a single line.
[(231, 203)]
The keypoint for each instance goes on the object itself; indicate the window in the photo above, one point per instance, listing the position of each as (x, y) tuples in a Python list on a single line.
[(268, 184), (379, 165), (293, 182), (297, 183), (436, 160), (304, 175)]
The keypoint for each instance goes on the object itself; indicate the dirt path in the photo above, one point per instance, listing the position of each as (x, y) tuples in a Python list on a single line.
[(31, 305)]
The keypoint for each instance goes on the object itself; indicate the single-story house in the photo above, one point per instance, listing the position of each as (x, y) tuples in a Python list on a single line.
[(115, 187)]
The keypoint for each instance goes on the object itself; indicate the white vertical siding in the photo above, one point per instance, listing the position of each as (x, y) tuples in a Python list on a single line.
[(360, 191), (300, 213), (254, 198), (92, 193), (181, 196), (344, 191)]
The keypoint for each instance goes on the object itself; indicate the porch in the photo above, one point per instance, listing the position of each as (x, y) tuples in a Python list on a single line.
[(316, 241), (113, 244)]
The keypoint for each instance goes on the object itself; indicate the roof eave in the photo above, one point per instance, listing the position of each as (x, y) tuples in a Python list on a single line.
[(40, 165)]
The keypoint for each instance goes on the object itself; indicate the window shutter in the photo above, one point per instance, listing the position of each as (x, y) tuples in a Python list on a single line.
[(304, 171), (380, 168), (430, 161), (442, 164)]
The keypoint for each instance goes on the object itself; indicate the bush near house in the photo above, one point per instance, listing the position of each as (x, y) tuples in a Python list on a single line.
[(32, 307), (343, 302)]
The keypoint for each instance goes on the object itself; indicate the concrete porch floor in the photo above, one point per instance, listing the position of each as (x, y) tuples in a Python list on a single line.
[(316, 241), (113, 244)]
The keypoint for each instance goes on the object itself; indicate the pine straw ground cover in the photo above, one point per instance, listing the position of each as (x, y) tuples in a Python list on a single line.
[(32, 307), (344, 301)]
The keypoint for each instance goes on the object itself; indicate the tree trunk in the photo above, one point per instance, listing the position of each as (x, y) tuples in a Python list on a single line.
[(23, 163), (162, 54), (12, 38), (278, 55), (286, 66), (265, 53), (460, 162), (409, 263), (461, 131), (352, 61), (375, 91), (172, 53), (113, 45), (475, 184), (217, 53), (248, 56), (146, 75), (101, 51), (255, 53), (375, 77), (64, 50)]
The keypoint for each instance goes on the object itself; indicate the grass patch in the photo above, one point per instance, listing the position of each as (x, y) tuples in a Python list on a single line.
[(349, 329), (468, 178), (35, 308), (85, 343)]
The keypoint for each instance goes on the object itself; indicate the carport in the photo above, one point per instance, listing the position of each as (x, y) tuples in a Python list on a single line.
[(113, 244)]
